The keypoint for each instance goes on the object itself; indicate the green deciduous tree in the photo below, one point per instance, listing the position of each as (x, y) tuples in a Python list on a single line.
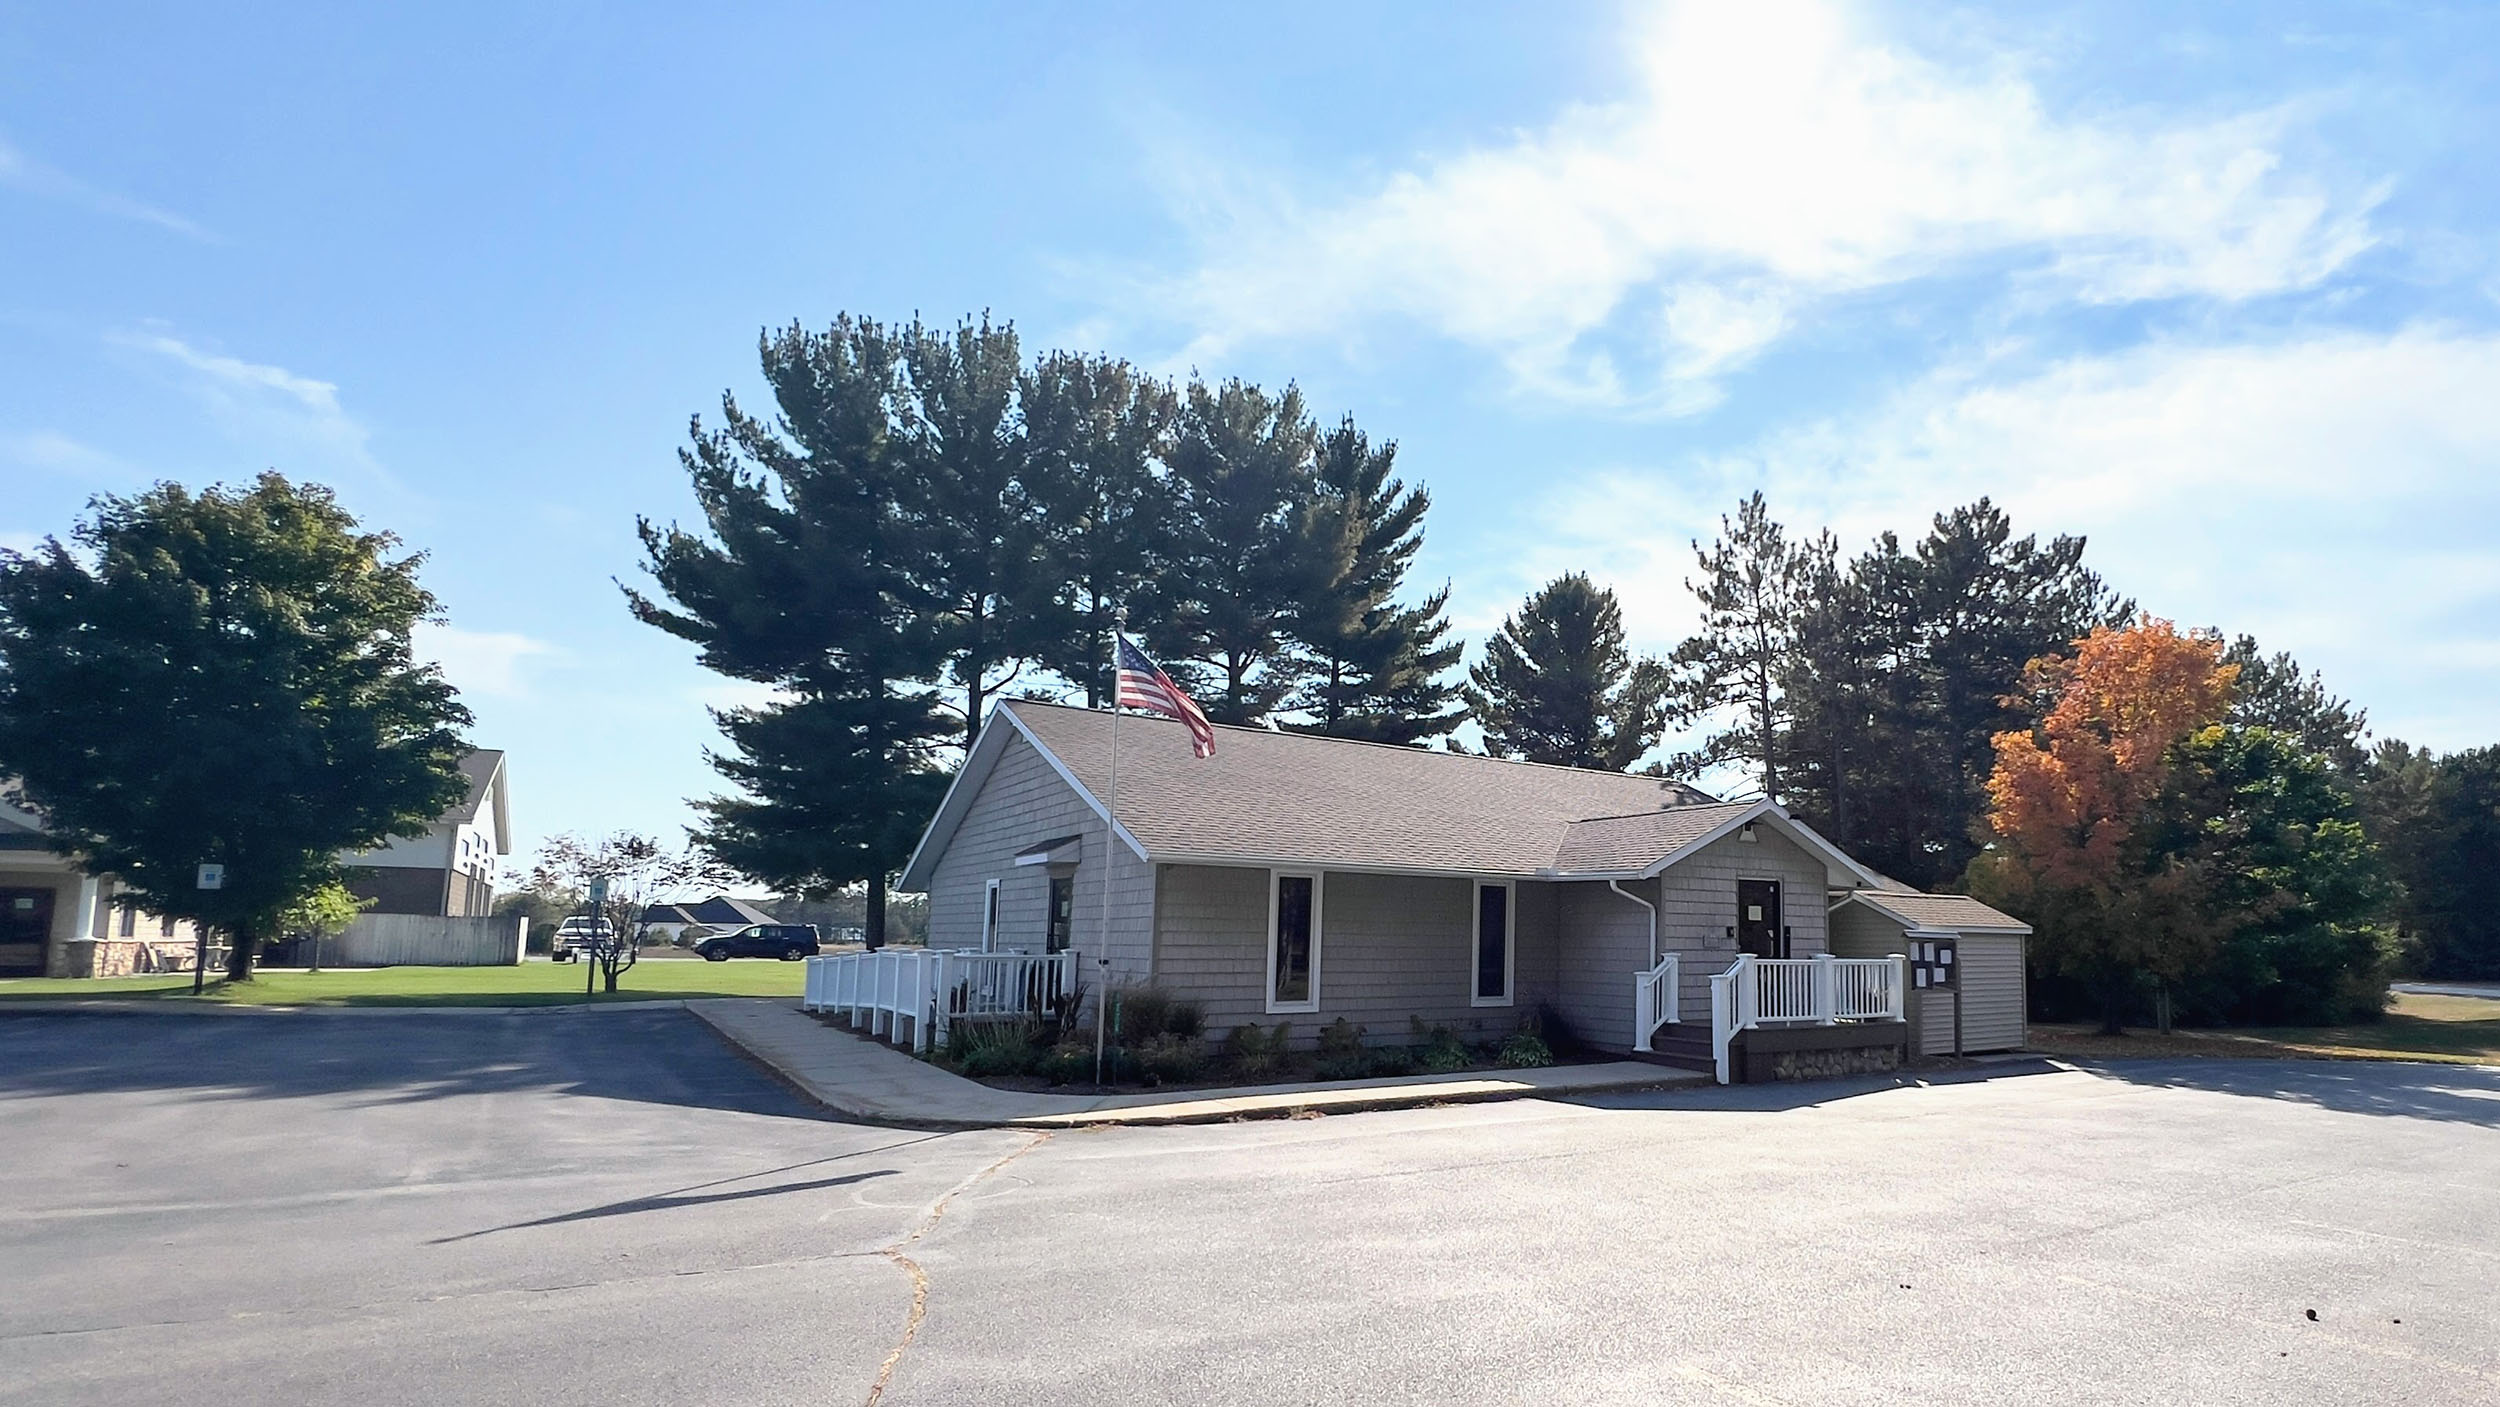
[(227, 679), (2288, 883), (1375, 669), (1558, 685)]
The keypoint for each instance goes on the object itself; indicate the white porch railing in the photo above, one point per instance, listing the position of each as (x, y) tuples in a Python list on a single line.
[(1822, 990), (915, 993), (1657, 1000)]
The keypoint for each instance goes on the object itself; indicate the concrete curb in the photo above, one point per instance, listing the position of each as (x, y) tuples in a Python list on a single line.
[(860, 1080)]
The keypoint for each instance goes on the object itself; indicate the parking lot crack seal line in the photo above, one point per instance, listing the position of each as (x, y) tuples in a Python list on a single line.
[(920, 1277)]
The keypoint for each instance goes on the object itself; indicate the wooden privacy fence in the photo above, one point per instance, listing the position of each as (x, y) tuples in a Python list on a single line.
[(426, 940)]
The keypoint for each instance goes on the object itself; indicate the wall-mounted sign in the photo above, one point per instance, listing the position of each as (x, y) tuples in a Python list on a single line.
[(1932, 962), (212, 876)]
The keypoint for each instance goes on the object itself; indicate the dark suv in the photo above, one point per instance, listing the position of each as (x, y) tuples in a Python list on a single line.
[(788, 941)]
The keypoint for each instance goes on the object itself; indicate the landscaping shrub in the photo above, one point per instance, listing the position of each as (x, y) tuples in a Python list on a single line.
[(1341, 1053), (1389, 1060), (1144, 1013), (1438, 1050), (1255, 1054), (1165, 1059), (1548, 1025), (1525, 1050), (986, 1049)]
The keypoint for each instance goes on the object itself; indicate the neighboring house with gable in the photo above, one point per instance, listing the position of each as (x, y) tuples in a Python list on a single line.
[(1303, 879), (57, 920), (449, 871)]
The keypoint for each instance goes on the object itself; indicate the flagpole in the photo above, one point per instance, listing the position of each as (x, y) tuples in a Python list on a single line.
[(1110, 847)]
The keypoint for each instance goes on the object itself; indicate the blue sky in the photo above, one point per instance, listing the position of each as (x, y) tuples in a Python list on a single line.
[(2213, 285)]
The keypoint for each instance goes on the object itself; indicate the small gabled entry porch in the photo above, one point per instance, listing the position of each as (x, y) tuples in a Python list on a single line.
[(1764, 1009)]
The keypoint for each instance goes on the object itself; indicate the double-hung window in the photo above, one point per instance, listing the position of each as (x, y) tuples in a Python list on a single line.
[(1293, 940), (1495, 952)]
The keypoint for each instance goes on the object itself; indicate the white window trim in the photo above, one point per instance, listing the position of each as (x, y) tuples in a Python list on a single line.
[(1275, 888), (1510, 942), (989, 918)]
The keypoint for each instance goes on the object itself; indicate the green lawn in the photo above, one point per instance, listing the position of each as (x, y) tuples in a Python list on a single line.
[(2456, 1030), (531, 984)]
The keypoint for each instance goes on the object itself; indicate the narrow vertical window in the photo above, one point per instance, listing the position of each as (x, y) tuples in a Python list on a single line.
[(989, 919), (130, 922), (1494, 946), (1293, 947), (1062, 913)]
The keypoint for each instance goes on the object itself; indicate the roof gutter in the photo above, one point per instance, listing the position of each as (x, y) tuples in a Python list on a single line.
[(1617, 886)]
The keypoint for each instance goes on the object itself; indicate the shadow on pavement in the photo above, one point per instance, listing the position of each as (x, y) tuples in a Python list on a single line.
[(651, 1057), (2462, 1094), (1799, 1094)]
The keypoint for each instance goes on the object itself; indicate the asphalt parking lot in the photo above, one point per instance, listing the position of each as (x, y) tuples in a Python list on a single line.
[(610, 1207)]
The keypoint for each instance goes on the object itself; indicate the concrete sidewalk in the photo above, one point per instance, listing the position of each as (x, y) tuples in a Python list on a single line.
[(864, 1079)]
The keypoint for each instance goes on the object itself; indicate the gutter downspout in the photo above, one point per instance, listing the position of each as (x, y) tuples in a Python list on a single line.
[(1617, 886)]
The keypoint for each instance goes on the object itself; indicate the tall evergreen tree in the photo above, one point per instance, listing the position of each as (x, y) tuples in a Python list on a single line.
[(972, 541), (2437, 819), (2277, 694), (1755, 589), (801, 581), (1557, 683), (1096, 433), (1898, 674), (224, 678), (1377, 669), (1223, 602)]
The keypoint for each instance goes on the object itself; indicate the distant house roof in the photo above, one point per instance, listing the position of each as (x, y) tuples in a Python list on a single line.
[(1955, 912), (484, 769), (1273, 798), (666, 913), (720, 908)]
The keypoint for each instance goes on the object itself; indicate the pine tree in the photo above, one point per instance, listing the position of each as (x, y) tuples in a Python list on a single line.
[(1376, 669), (1096, 433), (802, 581), (2276, 693), (1755, 588), (1557, 683), (972, 535), (1236, 557)]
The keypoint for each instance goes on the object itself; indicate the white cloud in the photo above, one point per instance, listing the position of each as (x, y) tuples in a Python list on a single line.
[(279, 412), (482, 662), (1773, 154), (24, 173), (50, 449), (2330, 494)]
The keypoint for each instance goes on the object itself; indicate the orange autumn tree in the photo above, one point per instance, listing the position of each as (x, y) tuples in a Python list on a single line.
[(2068, 797)]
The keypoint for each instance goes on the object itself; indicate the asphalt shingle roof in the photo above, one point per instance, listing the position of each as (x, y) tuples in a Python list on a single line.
[(1635, 842), (1290, 798), (1941, 910)]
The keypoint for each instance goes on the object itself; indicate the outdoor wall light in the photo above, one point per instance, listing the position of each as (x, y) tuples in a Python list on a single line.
[(1746, 835)]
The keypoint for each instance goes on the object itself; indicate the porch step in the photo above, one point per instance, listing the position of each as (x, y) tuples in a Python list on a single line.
[(1681, 1048)]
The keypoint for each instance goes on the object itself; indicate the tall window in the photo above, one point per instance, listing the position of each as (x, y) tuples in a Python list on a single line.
[(1293, 943), (130, 922), (1062, 913), (1494, 946), (989, 919)]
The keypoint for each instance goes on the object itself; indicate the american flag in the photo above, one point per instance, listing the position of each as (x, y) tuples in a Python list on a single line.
[(1143, 684)]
